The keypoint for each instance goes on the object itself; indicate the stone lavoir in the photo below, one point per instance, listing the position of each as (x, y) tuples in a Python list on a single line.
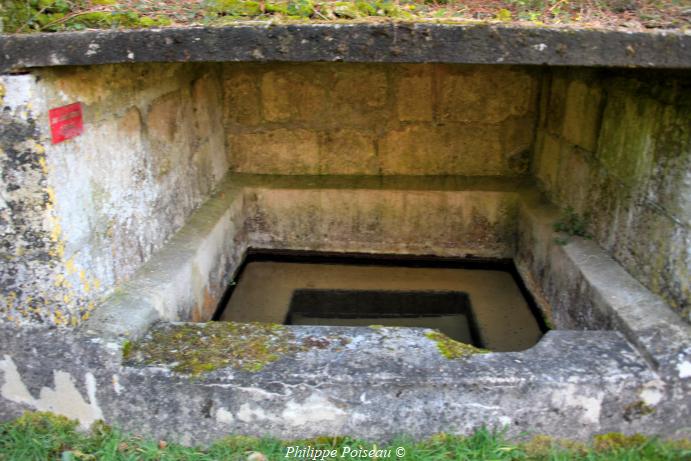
[(432, 155)]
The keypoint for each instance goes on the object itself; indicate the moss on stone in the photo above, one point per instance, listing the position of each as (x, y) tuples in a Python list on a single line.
[(276, 8), (237, 7), (200, 348), (300, 8), (40, 421), (542, 446), (50, 15), (348, 10), (572, 224), (126, 349), (616, 440), (453, 349)]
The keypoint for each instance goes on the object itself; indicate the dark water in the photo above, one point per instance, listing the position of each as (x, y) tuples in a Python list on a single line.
[(499, 318)]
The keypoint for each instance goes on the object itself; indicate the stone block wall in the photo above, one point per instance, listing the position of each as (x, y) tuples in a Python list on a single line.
[(617, 149), (456, 223), (80, 217), (375, 119)]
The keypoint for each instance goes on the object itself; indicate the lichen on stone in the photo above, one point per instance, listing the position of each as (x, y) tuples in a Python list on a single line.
[(453, 349), (637, 410), (199, 348)]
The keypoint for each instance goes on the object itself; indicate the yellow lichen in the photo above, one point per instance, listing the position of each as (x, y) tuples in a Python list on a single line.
[(51, 195), (69, 266), (42, 163), (56, 230), (39, 148)]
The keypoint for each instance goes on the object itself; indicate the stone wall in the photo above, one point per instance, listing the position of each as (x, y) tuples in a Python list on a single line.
[(86, 213), (79, 218), (452, 222), (377, 119), (617, 149)]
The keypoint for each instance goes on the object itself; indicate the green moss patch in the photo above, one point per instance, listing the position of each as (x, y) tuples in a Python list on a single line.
[(453, 349), (59, 15), (572, 224), (199, 348), (616, 441)]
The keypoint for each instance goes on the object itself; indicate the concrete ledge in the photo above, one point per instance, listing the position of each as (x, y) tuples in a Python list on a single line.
[(376, 384), (393, 42), (186, 278), (587, 289)]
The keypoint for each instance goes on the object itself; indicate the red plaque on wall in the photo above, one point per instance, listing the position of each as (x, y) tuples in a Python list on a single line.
[(66, 122)]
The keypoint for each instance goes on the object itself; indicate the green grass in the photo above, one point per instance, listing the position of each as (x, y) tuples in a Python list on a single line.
[(43, 436)]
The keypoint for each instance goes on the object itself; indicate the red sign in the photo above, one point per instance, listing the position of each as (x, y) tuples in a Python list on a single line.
[(66, 122)]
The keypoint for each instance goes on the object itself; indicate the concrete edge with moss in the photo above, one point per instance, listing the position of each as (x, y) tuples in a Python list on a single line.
[(352, 42)]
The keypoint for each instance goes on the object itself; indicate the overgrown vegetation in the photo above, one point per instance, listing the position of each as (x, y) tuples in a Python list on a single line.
[(572, 224), (43, 436), (60, 15)]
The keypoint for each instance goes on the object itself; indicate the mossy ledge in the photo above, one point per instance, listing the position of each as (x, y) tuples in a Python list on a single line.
[(453, 349), (200, 348)]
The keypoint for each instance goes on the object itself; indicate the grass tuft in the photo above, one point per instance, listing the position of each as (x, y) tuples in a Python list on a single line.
[(44, 436)]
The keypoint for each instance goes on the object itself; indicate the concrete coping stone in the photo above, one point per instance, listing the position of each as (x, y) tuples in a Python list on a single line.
[(390, 42), (660, 335), (644, 318), (392, 354)]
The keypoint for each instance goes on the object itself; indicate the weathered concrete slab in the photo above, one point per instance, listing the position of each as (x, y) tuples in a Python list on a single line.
[(393, 42), (373, 383)]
